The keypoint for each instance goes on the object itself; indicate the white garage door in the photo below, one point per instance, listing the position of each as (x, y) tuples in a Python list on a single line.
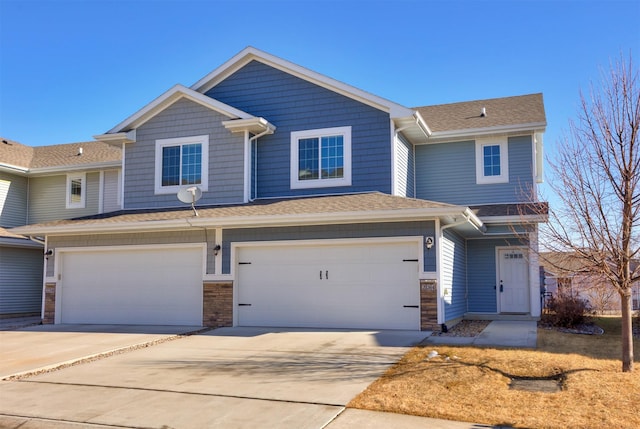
[(139, 286), (364, 285)]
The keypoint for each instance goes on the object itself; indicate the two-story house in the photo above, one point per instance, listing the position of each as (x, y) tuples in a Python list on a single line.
[(42, 184), (316, 204)]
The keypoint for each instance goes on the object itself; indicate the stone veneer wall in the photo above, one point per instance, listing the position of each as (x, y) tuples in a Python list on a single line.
[(217, 304), (49, 304), (429, 306)]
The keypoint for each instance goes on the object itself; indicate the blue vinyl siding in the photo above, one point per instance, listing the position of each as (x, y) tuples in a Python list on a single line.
[(364, 230), (446, 172), (293, 104), (185, 118), (481, 268), (404, 168), (454, 275)]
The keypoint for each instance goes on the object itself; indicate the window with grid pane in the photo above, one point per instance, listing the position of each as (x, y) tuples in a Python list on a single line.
[(321, 158), (492, 160), (180, 162), (492, 163)]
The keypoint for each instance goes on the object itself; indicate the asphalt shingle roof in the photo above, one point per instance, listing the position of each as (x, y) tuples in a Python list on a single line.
[(60, 155), (522, 109), (336, 204)]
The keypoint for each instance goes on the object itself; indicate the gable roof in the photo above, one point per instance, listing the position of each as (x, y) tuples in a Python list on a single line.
[(348, 208), (252, 54), (61, 157), (518, 113), (175, 93)]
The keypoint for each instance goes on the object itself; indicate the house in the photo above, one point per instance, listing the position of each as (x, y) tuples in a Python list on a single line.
[(566, 274), (41, 184), (306, 202)]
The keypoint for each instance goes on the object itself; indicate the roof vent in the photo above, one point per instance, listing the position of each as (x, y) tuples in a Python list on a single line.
[(483, 113), (79, 151)]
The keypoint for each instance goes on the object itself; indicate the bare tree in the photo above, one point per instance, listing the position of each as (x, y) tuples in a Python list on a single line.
[(596, 175)]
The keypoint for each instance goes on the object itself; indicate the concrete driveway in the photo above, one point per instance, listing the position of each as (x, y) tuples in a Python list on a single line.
[(224, 378)]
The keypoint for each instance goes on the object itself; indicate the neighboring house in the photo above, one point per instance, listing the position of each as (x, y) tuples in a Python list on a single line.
[(41, 184), (321, 205), (565, 274)]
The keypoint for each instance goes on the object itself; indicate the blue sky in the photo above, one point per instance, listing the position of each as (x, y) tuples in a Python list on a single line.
[(74, 69)]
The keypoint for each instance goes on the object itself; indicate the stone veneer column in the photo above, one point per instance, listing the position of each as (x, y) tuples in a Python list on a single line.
[(429, 306), (217, 304), (49, 304)]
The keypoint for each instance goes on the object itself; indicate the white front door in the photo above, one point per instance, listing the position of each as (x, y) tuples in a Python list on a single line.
[(513, 280)]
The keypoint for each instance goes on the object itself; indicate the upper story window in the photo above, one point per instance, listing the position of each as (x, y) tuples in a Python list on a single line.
[(76, 190), (492, 161), (321, 158), (180, 162)]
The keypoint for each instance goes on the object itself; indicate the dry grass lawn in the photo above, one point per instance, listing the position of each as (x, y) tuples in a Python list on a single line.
[(473, 384)]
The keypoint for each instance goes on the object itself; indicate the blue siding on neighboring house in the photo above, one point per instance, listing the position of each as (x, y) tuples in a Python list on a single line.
[(404, 168), (293, 104), (13, 200), (446, 172), (316, 232), (185, 118), (481, 269), (454, 275)]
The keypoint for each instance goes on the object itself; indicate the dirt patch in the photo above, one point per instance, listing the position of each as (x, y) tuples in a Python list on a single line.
[(465, 328)]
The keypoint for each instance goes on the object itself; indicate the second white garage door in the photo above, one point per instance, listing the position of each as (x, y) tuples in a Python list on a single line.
[(143, 286), (363, 285)]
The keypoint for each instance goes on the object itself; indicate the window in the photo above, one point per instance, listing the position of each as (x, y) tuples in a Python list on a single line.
[(181, 162), (321, 158), (492, 162), (76, 190)]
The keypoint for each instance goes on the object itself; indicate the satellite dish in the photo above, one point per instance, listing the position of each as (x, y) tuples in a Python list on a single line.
[(190, 196)]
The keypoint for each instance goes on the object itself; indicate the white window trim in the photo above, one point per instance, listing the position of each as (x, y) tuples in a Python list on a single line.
[(83, 190), (503, 142), (345, 132), (160, 143)]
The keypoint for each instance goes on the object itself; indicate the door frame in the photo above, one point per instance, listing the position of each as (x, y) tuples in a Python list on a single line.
[(525, 251)]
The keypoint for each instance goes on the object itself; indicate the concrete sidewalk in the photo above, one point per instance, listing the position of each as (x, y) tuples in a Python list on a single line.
[(499, 333)]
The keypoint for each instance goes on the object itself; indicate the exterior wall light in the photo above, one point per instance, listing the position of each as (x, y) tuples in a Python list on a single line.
[(216, 250)]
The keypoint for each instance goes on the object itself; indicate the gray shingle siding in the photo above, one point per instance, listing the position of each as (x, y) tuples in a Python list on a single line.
[(447, 172), (184, 119), (293, 104), (364, 230), (13, 200)]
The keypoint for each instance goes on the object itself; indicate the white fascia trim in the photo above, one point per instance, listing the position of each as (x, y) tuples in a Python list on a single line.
[(254, 125), (250, 53), (14, 169), (174, 94), (116, 139), (247, 221), (538, 127)]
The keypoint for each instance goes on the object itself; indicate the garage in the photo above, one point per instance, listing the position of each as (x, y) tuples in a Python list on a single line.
[(361, 284), (140, 285)]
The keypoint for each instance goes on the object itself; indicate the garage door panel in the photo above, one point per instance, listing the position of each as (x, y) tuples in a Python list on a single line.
[(151, 286), (368, 286)]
